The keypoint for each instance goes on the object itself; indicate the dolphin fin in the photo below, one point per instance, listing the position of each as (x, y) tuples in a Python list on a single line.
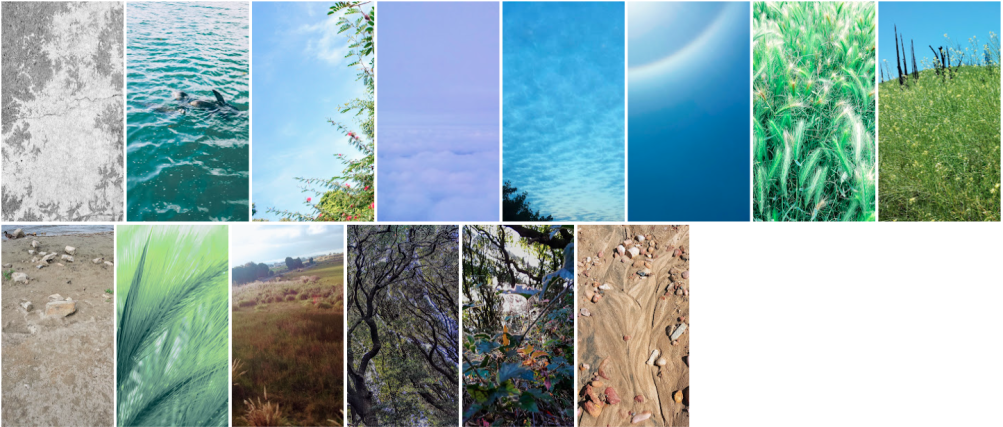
[(219, 98)]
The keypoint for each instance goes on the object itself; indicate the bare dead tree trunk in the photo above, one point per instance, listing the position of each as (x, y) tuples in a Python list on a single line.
[(915, 69), (936, 58), (898, 62), (905, 64)]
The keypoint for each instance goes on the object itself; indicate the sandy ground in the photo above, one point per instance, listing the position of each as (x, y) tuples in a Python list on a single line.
[(632, 318), (59, 371)]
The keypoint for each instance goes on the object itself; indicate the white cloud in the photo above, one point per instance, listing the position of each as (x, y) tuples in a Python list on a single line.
[(326, 44)]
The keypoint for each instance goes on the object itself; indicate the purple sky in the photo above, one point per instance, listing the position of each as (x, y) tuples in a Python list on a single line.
[(437, 104)]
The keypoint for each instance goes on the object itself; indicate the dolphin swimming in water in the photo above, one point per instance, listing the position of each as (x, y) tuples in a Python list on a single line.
[(220, 103)]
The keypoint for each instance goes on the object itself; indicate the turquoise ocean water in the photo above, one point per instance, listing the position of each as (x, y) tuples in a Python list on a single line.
[(184, 163)]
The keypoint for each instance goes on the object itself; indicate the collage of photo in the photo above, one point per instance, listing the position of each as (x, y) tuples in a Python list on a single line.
[(501, 111), (360, 325), (219, 213)]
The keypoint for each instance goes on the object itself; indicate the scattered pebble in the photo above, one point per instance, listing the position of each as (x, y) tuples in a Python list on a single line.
[(640, 417), (651, 359), (678, 331)]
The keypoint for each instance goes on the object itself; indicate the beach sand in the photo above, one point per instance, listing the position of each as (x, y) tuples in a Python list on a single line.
[(645, 309), (59, 371)]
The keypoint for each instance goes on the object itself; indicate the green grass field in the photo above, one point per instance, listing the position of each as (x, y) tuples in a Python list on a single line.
[(288, 337), (813, 103), (940, 147)]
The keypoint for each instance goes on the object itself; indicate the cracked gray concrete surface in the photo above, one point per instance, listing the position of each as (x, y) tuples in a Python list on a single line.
[(63, 106)]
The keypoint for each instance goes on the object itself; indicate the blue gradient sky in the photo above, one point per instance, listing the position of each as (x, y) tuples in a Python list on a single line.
[(300, 78), (689, 111), (437, 103), (564, 107), (925, 23)]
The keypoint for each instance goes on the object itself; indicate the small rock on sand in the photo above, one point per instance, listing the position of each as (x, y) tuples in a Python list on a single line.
[(8, 265), (26, 305), (31, 252), (35, 244), (49, 257), (109, 263), (41, 266), (97, 260), (60, 308), (678, 332), (634, 252), (70, 250), (20, 277), (67, 258), (55, 297)]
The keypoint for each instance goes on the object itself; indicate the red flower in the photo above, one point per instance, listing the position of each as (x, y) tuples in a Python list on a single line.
[(308, 200), (348, 186), (349, 217), (367, 188), (371, 205)]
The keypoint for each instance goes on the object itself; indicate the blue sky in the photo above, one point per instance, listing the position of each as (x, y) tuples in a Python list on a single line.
[(300, 78), (564, 107), (437, 106), (925, 23), (268, 243), (689, 112)]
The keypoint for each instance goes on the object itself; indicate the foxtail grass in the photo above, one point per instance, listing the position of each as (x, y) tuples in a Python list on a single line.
[(813, 107)]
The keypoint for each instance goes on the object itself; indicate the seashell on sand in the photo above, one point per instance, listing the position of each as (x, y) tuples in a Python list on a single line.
[(640, 417), (653, 357), (606, 286), (602, 368), (661, 361), (593, 408), (611, 397), (585, 312), (596, 298), (678, 396), (639, 399)]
